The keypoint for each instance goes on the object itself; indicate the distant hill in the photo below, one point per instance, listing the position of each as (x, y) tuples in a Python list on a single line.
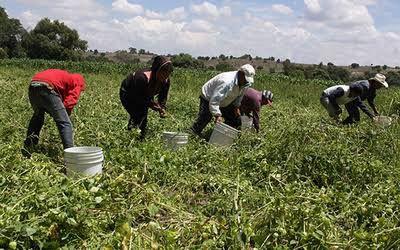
[(266, 64)]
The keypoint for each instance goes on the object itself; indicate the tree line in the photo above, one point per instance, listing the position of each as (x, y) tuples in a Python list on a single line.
[(48, 40), (53, 40)]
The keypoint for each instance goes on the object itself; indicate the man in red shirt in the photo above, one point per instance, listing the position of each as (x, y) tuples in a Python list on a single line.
[(55, 92)]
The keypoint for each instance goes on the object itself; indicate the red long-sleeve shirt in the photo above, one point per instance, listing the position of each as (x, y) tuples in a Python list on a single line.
[(68, 86)]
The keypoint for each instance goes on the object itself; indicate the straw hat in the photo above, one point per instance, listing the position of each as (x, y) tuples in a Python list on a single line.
[(381, 79)]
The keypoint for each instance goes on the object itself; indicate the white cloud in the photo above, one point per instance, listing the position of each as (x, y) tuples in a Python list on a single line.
[(313, 6), (282, 9), (126, 7), (199, 26), (210, 10), (338, 13), (29, 20), (71, 10), (176, 14), (339, 31)]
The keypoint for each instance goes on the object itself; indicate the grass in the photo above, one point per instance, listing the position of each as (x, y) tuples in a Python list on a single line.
[(300, 183)]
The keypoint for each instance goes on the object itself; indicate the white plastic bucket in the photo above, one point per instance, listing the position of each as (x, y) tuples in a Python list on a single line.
[(175, 140), (223, 135), (86, 161), (247, 122)]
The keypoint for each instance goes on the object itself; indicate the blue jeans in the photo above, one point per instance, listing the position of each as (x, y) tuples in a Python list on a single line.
[(44, 100)]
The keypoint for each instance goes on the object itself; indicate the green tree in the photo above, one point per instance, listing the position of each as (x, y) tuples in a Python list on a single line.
[(224, 66), (132, 50), (320, 73), (186, 61), (393, 78), (54, 40), (338, 74), (11, 33), (222, 57)]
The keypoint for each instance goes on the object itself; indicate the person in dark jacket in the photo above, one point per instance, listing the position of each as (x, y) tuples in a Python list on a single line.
[(368, 92), (252, 102), (55, 92), (138, 90)]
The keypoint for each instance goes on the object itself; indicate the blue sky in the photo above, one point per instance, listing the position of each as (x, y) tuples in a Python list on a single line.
[(310, 31)]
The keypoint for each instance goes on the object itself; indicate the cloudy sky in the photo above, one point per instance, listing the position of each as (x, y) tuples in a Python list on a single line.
[(310, 31)]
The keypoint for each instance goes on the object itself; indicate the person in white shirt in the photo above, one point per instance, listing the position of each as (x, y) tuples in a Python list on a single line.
[(220, 92), (334, 96)]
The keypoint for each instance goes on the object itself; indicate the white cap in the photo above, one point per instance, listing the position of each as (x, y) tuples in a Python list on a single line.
[(249, 72), (381, 79)]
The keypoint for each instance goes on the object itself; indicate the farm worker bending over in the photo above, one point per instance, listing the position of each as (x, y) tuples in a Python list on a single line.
[(139, 88), (337, 95), (55, 92), (219, 93), (252, 102), (368, 92)]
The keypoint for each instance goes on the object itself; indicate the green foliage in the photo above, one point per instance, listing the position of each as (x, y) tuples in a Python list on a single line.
[(124, 56), (302, 182), (94, 58), (3, 53), (355, 65), (377, 68), (224, 66), (393, 77), (186, 61), (370, 74), (338, 74), (246, 56), (54, 40), (11, 32), (329, 72)]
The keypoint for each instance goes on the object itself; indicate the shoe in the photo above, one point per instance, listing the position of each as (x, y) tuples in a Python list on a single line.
[(26, 152)]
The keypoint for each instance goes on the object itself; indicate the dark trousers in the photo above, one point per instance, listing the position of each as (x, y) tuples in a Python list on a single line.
[(44, 100), (205, 116), (354, 113), (137, 112)]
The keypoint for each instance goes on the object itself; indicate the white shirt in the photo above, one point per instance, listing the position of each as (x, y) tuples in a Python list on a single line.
[(222, 90), (342, 99)]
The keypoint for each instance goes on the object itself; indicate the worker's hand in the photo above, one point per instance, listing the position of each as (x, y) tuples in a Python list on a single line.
[(163, 113), (219, 119), (237, 112)]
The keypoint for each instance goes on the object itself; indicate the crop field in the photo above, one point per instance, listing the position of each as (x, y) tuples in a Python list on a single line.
[(302, 182)]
